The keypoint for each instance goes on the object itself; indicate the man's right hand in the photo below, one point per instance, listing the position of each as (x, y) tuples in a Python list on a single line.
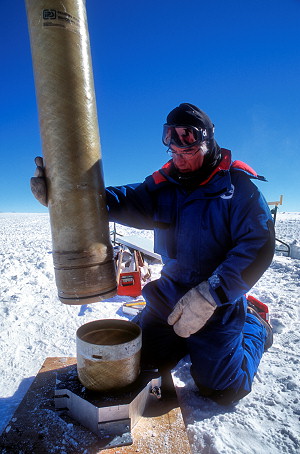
[(38, 182)]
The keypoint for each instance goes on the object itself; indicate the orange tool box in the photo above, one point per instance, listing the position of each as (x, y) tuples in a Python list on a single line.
[(129, 283)]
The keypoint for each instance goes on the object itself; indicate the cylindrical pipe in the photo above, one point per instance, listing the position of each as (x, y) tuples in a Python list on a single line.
[(82, 251)]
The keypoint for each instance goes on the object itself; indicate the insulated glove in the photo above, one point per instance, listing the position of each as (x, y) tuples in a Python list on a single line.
[(38, 182), (193, 310)]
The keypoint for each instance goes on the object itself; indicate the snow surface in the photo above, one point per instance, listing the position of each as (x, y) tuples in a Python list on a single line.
[(35, 325)]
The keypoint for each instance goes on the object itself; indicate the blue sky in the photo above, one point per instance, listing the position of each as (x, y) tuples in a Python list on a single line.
[(237, 60)]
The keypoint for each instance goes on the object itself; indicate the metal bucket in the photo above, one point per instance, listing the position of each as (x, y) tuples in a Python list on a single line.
[(108, 354)]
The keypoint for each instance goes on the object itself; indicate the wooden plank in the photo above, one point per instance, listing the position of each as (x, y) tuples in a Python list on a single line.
[(37, 428), (279, 202)]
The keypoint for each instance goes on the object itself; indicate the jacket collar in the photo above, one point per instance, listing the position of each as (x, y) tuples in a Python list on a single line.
[(163, 175)]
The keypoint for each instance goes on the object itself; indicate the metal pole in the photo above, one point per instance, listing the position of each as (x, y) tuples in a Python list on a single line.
[(82, 251)]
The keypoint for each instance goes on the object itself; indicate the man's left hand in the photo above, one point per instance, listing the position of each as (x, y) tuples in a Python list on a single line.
[(192, 311)]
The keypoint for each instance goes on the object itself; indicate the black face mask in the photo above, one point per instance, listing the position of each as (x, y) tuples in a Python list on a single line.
[(213, 155)]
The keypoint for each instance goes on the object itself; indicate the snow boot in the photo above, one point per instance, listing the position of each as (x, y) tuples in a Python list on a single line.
[(261, 311)]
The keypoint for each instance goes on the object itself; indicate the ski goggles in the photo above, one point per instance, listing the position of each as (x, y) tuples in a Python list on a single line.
[(183, 136)]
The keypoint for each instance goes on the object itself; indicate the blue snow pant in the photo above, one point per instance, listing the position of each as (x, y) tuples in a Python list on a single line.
[(225, 353)]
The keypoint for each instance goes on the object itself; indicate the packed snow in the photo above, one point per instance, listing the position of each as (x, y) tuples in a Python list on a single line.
[(35, 325)]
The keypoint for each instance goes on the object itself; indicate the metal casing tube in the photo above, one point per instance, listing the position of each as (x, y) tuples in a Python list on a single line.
[(108, 354), (82, 251)]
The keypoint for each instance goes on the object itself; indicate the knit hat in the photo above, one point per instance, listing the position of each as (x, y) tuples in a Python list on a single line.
[(188, 114)]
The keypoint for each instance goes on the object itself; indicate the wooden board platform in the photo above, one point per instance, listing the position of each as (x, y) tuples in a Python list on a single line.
[(36, 428)]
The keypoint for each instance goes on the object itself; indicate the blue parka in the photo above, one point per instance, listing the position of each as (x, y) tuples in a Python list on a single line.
[(222, 231)]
